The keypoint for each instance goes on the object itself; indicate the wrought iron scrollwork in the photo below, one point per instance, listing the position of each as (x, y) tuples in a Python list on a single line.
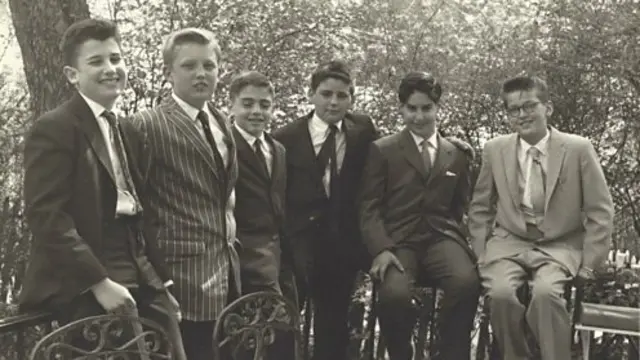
[(251, 324), (112, 337)]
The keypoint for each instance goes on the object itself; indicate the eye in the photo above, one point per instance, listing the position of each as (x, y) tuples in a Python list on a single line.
[(265, 105)]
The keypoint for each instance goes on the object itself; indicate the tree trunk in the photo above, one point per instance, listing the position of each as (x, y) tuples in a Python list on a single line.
[(39, 26)]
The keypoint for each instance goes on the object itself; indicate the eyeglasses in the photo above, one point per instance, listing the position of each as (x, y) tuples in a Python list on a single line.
[(527, 107)]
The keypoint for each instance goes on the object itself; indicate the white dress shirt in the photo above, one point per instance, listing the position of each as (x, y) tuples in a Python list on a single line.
[(525, 160), (216, 130), (264, 146), (125, 203), (319, 131), (432, 144)]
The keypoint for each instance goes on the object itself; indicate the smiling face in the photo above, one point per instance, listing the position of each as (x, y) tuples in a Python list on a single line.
[(528, 114), (419, 114), (252, 109), (331, 100), (99, 71), (193, 73)]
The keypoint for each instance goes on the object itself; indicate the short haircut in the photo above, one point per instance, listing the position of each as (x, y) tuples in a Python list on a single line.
[(334, 69), (419, 81), (82, 31), (249, 78), (525, 83), (188, 36)]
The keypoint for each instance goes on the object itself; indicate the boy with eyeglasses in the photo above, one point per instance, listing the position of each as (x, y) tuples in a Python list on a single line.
[(541, 211)]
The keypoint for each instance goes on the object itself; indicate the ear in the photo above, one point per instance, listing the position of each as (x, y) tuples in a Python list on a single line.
[(166, 71), (71, 74), (549, 106)]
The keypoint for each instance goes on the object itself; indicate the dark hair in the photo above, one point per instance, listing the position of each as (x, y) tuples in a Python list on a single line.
[(190, 36), (334, 69), (82, 31), (418, 81), (249, 78), (525, 83)]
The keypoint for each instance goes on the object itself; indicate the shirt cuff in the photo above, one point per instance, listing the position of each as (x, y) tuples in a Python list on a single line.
[(168, 283)]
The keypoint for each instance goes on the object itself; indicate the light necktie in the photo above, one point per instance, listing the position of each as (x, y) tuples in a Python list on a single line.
[(123, 180), (426, 157), (537, 181)]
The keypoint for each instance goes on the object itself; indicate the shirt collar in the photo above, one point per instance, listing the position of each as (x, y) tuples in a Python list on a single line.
[(541, 145), (321, 125), (191, 111), (96, 108), (433, 139), (248, 137)]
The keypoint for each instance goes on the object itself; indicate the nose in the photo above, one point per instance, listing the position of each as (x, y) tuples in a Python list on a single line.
[(200, 71), (334, 100), (109, 67), (255, 109), (419, 116)]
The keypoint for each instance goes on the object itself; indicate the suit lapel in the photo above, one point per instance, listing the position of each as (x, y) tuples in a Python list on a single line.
[(278, 162), (351, 136), (411, 152), (555, 158), (230, 173), (510, 166), (444, 158), (89, 125), (187, 126), (304, 155)]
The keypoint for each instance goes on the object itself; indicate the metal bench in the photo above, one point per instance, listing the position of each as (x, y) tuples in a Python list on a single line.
[(618, 320), (19, 332), (105, 337), (255, 323)]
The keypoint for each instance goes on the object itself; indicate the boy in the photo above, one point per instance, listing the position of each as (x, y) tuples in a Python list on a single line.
[(89, 256)]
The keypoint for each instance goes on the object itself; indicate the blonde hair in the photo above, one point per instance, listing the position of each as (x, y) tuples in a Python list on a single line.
[(188, 35)]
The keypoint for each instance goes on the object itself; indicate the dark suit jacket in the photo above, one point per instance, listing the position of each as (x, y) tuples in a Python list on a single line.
[(307, 204), (260, 213), (70, 197), (190, 206), (400, 202)]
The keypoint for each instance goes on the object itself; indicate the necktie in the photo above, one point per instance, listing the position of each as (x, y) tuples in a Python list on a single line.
[(257, 147), (328, 156), (426, 158), (123, 178), (537, 181), (217, 158)]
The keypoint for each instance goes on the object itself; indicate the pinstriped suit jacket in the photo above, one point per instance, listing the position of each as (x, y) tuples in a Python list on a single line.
[(187, 210)]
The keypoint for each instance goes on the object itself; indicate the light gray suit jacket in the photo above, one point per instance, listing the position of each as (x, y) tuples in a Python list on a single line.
[(188, 208), (578, 219)]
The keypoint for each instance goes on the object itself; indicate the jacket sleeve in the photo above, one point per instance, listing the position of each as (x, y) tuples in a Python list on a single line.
[(371, 194), (598, 209), (49, 158)]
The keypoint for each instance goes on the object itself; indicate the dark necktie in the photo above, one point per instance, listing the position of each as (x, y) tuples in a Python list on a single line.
[(257, 147), (327, 152), (120, 153), (328, 156), (217, 158)]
